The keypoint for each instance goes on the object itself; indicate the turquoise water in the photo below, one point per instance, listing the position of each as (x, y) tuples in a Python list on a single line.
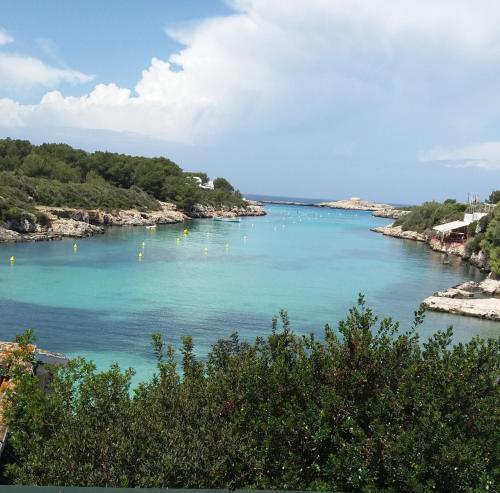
[(102, 302)]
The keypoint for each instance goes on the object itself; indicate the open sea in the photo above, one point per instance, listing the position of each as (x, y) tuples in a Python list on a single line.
[(102, 302)]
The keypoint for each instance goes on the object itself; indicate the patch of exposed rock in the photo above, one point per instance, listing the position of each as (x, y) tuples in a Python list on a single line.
[(10, 236), (472, 299), (390, 213), (479, 260), (397, 232), (206, 211), (355, 204), (166, 214)]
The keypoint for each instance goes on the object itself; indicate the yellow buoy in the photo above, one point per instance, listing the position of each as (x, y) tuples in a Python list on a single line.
[(186, 231), (75, 246), (140, 255), (12, 259)]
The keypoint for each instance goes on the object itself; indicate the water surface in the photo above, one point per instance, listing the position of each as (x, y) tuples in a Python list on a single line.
[(101, 301)]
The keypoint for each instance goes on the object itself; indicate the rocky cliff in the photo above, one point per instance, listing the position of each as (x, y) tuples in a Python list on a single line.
[(60, 222)]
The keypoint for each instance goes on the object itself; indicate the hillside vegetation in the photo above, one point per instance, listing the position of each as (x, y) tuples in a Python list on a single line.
[(422, 218), (58, 175), (365, 408)]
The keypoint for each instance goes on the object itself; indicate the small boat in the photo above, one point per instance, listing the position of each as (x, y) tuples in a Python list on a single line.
[(227, 219), (152, 226)]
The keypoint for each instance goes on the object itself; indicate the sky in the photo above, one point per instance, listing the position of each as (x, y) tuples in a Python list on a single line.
[(389, 100)]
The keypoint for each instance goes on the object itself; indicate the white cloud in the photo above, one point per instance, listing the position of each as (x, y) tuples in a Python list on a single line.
[(18, 71), (274, 63), (5, 37), (485, 155)]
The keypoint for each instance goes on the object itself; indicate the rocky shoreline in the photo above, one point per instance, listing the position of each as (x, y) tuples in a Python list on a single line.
[(478, 260), (66, 222), (481, 300), (397, 232), (390, 213)]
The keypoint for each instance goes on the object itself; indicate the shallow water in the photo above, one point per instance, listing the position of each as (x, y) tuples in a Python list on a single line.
[(102, 302)]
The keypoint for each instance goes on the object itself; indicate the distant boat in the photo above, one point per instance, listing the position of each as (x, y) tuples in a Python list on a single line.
[(227, 219), (152, 226)]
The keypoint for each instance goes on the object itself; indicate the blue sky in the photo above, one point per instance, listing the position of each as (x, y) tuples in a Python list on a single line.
[(389, 100)]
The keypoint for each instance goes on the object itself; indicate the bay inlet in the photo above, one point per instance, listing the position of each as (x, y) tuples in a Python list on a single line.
[(102, 302)]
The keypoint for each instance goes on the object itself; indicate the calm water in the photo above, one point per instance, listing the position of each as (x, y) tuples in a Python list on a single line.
[(103, 303)]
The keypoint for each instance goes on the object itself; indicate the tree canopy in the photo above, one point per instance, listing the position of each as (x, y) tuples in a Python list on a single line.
[(58, 175)]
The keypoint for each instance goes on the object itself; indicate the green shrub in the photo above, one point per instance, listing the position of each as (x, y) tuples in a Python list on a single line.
[(366, 408), (473, 245), (223, 184), (494, 197), (105, 176), (429, 214)]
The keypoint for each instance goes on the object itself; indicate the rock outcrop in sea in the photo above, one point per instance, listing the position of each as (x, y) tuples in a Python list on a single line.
[(481, 300), (355, 204)]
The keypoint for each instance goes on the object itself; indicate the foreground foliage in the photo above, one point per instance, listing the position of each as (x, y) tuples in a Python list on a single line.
[(369, 408), (58, 175)]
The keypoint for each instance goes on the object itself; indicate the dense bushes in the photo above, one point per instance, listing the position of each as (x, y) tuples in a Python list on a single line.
[(57, 174), (427, 215), (494, 197), (24, 192), (490, 244), (366, 408)]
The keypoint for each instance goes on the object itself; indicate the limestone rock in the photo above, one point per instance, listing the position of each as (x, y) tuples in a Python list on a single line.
[(74, 229), (397, 232), (355, 204), (390, 213), (9, 235), (490, 286), (206, 211), (487, 308)]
